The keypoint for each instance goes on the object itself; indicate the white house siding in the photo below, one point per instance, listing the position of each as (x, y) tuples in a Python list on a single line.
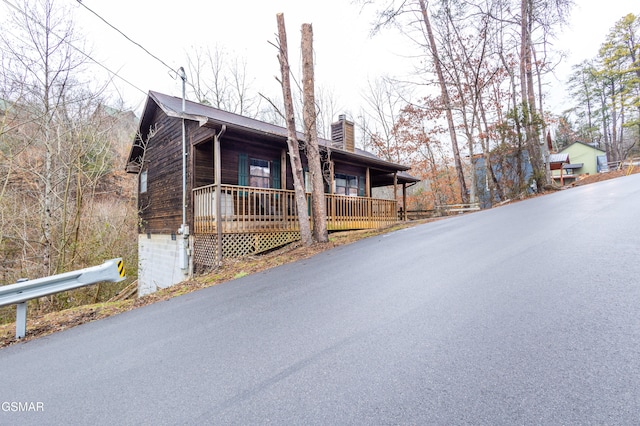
[(158, 264)]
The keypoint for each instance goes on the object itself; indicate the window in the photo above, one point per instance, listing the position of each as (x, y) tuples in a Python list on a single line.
[(346, 184), (143, 182), (259, 173)]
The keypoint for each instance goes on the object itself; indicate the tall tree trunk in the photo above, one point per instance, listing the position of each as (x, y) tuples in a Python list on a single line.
[(292, 140), (48, 198), (615, 142), (313, 151), (528, 95), (447, 102), (493, 183), (545, 146), (517, 121), (48, 208), (605, 122)]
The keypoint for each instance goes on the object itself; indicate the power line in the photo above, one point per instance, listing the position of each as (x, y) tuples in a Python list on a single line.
[(172, 71), (128, 38)]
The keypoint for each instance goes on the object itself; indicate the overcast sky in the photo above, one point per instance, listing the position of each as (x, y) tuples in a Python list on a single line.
[(591, 21), (345, 55)]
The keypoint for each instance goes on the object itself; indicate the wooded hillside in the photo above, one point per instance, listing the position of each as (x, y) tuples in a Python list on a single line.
[(65, 201)]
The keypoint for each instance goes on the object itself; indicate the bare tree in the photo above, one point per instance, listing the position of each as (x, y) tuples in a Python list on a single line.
[(219, 79), (61, 148), (292, 140), (48, 79), (384, 100), (444, 92), (328, 107), (419, 13), (529, 108), (311, 135)]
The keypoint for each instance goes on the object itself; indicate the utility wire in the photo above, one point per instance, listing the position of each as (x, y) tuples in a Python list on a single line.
[(173, 72), (128, 38)]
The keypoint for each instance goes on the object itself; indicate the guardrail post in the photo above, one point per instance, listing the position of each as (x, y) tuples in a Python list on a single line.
[(21, 320), (21, 316), (24, 290)]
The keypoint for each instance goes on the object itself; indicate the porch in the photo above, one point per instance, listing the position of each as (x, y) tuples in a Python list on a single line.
[(249, 210)]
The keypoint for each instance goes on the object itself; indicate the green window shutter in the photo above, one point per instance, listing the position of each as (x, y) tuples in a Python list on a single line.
[(275, 174), (361, 183), (243, 170)]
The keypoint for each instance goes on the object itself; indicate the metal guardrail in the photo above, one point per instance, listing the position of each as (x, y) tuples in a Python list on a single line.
[(442, 210), (20, 293), (458, 208), (629, 163)]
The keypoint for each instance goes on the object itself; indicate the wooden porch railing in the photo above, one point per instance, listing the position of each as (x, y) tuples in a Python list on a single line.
[(248, 209), (344, 212), (244, 209)]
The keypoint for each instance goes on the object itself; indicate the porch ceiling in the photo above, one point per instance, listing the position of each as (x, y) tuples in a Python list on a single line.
[(386, 179)]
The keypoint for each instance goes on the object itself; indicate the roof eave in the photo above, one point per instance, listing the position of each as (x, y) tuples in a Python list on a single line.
[(268, 130)]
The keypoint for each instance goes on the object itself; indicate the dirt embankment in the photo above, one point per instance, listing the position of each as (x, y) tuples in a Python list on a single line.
[(605, 176)]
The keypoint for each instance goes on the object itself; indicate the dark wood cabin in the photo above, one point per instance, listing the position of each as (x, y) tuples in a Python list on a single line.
[(257, 206)]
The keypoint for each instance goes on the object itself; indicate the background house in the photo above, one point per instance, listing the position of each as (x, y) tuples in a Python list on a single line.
[(239, 167), (585, 160)]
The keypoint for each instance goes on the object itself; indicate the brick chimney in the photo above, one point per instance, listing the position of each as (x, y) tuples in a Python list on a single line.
[(343, 134)]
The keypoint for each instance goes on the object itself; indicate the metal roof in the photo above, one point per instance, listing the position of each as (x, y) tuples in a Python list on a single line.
[(559, 158), (572, 166)]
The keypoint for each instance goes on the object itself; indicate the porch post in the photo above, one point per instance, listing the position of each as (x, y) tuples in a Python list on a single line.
[(404, 201), (395, 190), (283, 169), (331, 176), (283, 184), (218, 180), (332, 209), (368, 183), (367, 193)]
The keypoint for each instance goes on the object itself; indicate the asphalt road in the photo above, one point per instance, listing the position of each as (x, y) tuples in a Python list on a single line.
[(524, 314)]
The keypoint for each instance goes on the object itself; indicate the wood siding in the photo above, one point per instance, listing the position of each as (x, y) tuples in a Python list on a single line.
[(160, 206), (203, 164)]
